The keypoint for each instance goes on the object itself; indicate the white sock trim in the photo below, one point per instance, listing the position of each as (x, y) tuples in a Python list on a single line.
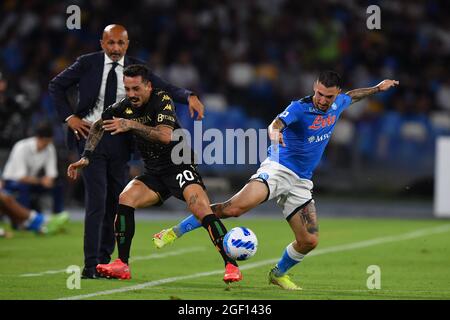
[(293, 254)]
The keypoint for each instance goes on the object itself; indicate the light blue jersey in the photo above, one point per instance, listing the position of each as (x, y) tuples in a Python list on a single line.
[(306, 134)]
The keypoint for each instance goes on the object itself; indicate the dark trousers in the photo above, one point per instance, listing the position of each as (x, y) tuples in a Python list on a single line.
[(104, 179), (25, 191)]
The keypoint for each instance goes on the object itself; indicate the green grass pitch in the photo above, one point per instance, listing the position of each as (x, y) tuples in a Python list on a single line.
[(413, 257)]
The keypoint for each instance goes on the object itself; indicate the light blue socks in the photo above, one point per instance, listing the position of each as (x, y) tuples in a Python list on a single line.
[(289, 259), (187, 225)]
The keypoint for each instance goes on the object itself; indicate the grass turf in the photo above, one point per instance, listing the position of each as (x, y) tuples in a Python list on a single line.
[(412, 268)]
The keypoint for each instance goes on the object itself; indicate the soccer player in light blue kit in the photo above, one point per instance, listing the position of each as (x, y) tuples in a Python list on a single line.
[(299, 136)]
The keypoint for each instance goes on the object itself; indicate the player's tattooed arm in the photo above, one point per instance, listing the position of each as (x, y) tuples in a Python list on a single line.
[(95, 135), (219, 209), (274, 131), (160, 133), (358, 94)]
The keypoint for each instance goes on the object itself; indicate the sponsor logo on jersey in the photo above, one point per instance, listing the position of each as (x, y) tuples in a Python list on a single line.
[(320, 138), (162, 117), (165, 98), (128, 111), (334, 106), (167, 107), (143, 120), (321, 122)]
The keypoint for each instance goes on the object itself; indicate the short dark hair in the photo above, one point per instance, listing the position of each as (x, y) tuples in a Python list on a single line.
[(136, 70), (330, 79), (44, 130)]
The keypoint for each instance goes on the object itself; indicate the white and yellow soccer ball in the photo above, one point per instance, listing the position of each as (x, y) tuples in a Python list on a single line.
[(240, 243)]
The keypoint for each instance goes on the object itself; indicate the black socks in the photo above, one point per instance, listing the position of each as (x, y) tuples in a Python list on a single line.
[(124, 230), (217, 232)]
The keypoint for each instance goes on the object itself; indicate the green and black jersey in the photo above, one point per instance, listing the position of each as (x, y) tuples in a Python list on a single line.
[(159, 110)]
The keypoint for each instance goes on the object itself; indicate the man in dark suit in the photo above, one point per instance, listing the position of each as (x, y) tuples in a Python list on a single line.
[(99, 77)]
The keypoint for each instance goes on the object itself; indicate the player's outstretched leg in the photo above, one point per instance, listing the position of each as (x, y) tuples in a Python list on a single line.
[(198, 204), (168, 236), (305, 227), (250, 196), (217, 232)]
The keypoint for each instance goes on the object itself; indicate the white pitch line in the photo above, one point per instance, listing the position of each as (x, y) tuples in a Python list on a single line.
[(43, 273), (167, 254), (138, 258), (340, 248)]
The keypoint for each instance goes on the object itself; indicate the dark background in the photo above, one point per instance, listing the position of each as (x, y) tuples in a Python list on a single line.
[(247, 60)]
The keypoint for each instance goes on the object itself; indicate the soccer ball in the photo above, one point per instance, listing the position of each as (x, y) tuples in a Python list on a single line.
[(240, 243)]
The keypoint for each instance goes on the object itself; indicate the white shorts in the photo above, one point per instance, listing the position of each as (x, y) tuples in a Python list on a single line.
[(291, 192)]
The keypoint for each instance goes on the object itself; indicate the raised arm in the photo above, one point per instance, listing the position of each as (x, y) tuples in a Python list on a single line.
[(95, 135), (180, 95), (160, 133), (358, 94), (274, 131)]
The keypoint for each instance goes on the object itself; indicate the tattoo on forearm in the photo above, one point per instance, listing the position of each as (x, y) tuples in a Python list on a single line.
[(215, 207), (95, 135), (226, 204), (123, 124), (146, 132), (358, 94), (309, 218), (218, 208)]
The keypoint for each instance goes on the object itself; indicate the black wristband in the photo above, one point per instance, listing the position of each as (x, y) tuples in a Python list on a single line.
[(87, 154)]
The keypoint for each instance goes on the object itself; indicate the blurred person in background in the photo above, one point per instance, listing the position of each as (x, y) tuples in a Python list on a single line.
[(31, 169), (14, 114)]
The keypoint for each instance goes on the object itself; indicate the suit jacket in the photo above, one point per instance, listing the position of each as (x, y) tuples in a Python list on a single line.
[(86, 73)]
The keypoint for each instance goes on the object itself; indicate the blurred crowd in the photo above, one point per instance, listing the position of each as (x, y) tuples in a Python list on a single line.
[(254, 56)]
